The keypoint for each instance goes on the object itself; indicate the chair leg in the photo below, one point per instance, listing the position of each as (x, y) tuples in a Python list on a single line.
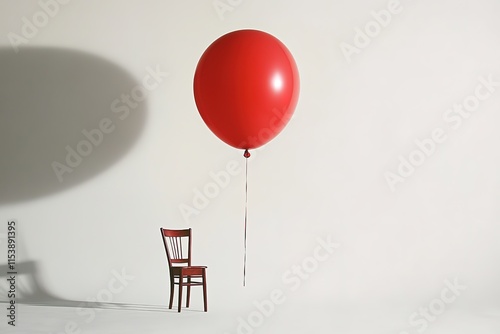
[(180, 292), (171, 292), (204, 290), (188, 296)]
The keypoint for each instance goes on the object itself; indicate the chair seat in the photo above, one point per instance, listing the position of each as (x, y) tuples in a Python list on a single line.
[(188, 270)]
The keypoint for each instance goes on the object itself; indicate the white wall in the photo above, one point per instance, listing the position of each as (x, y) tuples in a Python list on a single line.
[(323, 175)]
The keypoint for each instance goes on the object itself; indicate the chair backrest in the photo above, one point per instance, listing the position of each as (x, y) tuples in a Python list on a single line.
[(177, 246)]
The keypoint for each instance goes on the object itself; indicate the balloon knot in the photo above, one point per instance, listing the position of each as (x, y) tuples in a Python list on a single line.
[(246, 154)]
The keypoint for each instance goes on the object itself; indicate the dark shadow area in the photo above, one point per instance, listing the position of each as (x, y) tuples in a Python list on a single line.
[(63, 119), (30, 291)]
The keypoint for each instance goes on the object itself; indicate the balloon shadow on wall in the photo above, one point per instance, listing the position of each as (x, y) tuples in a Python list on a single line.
[(65, 116)]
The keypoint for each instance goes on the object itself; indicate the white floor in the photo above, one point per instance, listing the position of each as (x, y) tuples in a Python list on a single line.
[(286, 319)]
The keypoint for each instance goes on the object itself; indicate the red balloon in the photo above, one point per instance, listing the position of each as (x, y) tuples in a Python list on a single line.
[(246, 87)]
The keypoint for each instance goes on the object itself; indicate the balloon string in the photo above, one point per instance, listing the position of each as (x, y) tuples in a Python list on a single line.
[(246, 155)]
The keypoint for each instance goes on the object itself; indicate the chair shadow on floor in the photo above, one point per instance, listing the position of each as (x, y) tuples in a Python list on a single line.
[(27, 286), (29, 290)]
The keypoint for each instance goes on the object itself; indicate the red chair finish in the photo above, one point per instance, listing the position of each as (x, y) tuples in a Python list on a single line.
[(178, 248)]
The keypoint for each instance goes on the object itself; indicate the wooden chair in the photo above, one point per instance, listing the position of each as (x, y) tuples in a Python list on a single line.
[(178, 248)]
